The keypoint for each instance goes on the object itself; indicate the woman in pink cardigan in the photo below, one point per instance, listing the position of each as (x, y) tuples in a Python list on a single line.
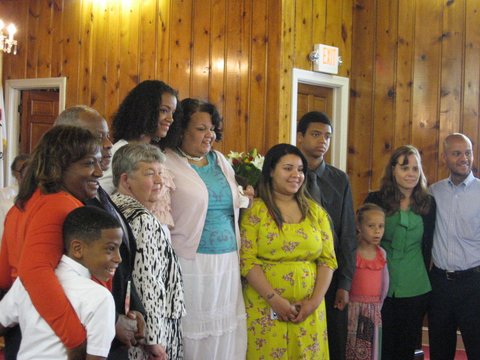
[(205, 208)]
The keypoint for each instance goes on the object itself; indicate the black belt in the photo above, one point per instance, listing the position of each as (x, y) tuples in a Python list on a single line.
[(455, 275)]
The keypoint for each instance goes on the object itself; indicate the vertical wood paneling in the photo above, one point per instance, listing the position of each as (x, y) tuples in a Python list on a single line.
[(71, 50), (163, 41), (384, 96), (148, 31), (129, 33), (404, 67), (346, 45), (274, 74), (303, 34), (246, 64), (452, 42), (201, 49), (238, 54), (257, 79), (32, 41), (180, 44), (234, 126), (333, 29), (471, 85), (361, 102), (98, 56), (319, 21), (287, 52), (112, 86), (426, 84), (85, 54), (56, 26), (217, 54), (44, 32)]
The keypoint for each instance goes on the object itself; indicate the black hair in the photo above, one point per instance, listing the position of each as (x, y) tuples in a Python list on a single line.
[(86, 224), (138, 113), (312, 117), (272, 157), (189, 107), (57, 150)]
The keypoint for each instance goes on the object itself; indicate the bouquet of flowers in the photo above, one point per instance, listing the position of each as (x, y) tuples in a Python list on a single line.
[(247, 166)]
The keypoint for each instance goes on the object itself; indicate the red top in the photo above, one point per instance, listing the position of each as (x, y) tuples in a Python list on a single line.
[(368, 280), (38, 230)]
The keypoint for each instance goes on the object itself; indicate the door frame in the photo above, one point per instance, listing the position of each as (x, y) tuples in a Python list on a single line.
[(340, 87), (13, 90)]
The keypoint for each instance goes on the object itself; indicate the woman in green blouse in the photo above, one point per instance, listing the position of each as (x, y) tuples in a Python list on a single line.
[(409, 227)]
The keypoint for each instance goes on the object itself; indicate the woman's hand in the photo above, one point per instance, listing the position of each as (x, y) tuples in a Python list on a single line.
[(285, 311), (249, 192), (156, 352), (304, 308)]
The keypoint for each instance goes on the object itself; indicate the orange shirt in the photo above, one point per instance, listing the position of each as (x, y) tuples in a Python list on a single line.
[(31, 248)]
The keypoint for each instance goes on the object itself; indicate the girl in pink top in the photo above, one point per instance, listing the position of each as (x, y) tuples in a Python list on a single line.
[(369, 287)]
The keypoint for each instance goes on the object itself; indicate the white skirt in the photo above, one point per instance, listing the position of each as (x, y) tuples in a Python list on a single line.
[(215, 324)]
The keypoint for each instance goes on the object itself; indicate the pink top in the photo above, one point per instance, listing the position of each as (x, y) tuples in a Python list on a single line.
[(370, 281), (162, 208)]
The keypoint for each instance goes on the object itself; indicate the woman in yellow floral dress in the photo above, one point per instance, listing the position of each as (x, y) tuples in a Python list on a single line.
[(288, 260)]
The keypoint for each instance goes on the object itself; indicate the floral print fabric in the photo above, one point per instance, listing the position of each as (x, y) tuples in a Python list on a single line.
[(289, 258)]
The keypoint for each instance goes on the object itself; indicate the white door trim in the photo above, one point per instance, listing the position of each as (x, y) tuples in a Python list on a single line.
[(12, 100), (340, 86)]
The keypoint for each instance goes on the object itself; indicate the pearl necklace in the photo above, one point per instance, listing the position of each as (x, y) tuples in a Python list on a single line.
[(190, 157)]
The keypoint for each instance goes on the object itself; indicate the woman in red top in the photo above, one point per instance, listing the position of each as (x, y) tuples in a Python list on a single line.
[(63, 173)]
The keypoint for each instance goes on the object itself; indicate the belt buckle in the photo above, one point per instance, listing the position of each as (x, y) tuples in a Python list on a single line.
[(450, 275)]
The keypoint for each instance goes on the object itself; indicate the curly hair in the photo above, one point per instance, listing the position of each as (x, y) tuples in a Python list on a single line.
[(272, 157), (59, 148), (189, 107), (138, 113), (391, 194)]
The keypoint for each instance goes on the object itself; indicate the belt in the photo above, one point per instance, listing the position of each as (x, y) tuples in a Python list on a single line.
[(455, 275)]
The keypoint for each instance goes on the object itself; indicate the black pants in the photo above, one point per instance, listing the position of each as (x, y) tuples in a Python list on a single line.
[(402, 320), (455, 304), (13, 338), (337, 325)]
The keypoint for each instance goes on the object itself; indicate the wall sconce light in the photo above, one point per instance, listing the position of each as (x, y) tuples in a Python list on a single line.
[(325, 58), (7, 43)]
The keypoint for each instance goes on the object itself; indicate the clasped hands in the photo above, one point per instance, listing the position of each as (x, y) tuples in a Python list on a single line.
[(296, 312), (130, 328)]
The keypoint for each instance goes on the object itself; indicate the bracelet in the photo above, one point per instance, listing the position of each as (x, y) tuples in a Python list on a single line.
[(270, 296)]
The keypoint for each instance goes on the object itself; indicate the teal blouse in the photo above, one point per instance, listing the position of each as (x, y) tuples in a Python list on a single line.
[(403, 243), (218, 236)]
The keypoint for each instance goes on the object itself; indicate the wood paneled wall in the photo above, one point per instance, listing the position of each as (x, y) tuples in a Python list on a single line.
[(237, 54), (415, 78), (305, 23), (224, 51)]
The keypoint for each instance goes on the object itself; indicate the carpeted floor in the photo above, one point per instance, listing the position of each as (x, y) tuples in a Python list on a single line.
[(460, 355)]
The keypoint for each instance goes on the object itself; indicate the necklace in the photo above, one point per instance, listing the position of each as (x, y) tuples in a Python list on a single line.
[(189, 157)]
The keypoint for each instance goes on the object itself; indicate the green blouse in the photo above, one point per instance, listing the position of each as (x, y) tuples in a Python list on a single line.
[(403, 243)]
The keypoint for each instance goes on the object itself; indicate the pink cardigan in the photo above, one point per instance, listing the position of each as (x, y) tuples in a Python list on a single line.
[(190, 203)]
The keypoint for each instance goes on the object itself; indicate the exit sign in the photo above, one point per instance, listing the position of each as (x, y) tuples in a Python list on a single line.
[(327, 59)]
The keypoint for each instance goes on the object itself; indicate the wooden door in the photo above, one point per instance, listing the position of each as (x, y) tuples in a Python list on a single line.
[(39, 111), (315, 98)]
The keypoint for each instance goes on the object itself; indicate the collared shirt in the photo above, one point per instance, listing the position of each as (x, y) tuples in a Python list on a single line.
[(456, 242), (92, 302), (403, 243), (334, 194)]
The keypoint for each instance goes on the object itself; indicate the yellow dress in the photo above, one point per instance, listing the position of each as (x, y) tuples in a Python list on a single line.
[(289, 259)]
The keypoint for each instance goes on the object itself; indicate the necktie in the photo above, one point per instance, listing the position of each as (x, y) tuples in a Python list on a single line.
[(313, 188)]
